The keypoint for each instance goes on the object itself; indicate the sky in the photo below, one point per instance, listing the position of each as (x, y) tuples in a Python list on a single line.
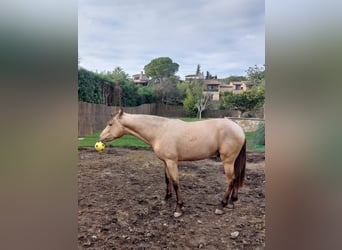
[(225, 37)]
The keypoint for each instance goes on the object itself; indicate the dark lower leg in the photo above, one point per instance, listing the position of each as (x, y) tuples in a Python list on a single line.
[(168, 187), (234, 196), (179, 198), (225, 201)]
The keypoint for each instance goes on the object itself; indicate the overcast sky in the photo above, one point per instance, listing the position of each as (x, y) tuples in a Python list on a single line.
[(224, 36)]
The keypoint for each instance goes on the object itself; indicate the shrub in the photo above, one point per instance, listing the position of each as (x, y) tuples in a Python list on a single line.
[(259, 138)]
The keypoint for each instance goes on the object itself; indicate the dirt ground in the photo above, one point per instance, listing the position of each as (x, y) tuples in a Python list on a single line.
[(121, 203)]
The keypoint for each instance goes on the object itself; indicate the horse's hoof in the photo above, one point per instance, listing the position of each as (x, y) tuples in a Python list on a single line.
[(219, 211), (230, 206), (177, 214), (235, 198)]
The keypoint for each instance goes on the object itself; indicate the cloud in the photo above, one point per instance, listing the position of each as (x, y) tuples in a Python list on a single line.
[(224, 37)]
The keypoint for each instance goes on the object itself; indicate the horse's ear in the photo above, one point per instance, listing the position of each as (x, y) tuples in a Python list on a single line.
[(120, 112)]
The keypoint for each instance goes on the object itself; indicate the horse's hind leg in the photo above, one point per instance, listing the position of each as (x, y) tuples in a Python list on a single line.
[(234, 196), (227, 200), (168, 184)]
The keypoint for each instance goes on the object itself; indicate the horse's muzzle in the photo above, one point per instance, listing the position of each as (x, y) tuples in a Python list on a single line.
[(105, 139)]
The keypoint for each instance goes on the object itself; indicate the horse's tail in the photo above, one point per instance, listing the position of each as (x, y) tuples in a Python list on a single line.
[(239, 167)]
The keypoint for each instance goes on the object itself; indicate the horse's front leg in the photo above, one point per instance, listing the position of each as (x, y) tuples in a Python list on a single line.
[(168, 183), (172, 169)]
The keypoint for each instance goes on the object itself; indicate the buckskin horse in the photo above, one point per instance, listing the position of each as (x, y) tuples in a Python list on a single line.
[(174, 140)]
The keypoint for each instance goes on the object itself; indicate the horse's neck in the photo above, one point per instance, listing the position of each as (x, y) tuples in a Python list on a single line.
[(145, 127)]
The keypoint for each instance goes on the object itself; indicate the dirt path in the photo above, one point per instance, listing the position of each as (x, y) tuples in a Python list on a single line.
[(121, 204)]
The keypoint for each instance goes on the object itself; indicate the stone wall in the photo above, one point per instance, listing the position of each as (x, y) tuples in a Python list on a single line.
[(248, 124)]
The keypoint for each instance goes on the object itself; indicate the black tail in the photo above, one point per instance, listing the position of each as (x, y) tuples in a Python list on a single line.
[(239, 167)]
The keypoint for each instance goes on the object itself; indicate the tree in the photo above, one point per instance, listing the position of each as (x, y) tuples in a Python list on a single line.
[(167, 92), (208, 76), (244, 101), (160, 68), (89, 89), (235, 79), (255, 76), (145, 95), (198, 70), (125, 91), (118, 74), (196, 101), (202, 103), (189, 103), (129, 94)]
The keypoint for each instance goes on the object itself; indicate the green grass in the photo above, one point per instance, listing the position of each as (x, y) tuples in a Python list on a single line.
[(250, 142), (190, 119), (131, 141), (259, 148), (125, 141)]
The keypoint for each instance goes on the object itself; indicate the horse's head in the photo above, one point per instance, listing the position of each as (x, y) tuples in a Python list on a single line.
[(114, 128)]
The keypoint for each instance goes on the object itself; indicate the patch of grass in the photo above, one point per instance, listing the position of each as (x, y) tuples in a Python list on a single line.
[(191, 119), (259, 148), (250, 137), (125, 141)]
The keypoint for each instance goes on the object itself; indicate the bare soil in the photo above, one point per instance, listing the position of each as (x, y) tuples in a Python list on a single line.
[(121, 203)]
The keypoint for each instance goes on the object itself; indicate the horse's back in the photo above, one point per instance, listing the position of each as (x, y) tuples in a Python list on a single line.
[(198, 140)]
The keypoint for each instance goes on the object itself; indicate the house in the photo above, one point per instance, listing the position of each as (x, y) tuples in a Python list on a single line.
[(238, 87), (215, 87), (212, 86), (194, 77), (140, 79)]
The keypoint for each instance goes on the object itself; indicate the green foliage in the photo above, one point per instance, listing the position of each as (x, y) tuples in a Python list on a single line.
[(164, 81), (133, 95), (129, 94), (195, 101), (182, 87), (250, 142), (118, 74), (162, 67), (255, 76), (89, 89), (235, 79), (209, 76), (189, 103), (260, 134), (145, 95), (226, 100), (244, 101), (167, 91)]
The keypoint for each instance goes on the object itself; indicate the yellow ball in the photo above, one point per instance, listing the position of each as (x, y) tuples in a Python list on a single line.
[(99, 146)]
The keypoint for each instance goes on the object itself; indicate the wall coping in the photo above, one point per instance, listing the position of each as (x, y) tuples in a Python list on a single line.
[(243, 118)]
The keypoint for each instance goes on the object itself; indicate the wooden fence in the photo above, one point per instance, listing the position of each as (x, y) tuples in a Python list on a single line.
[(93, 117)]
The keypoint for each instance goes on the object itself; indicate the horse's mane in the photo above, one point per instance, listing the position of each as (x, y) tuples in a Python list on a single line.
[(147, 117), (148, 120)]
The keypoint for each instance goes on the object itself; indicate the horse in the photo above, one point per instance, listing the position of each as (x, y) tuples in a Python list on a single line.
[(174, 140)]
